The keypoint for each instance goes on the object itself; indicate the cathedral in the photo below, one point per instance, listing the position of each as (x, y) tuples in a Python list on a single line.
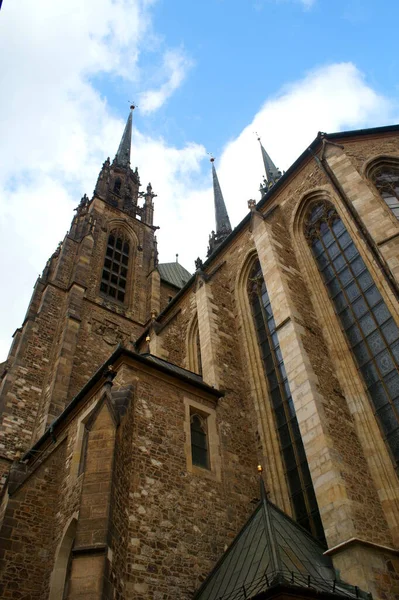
[(224, 435)]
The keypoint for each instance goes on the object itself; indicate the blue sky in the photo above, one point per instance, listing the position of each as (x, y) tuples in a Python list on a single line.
[(205, 75)]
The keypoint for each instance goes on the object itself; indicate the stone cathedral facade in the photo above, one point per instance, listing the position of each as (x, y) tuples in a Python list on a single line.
[(137, 399)]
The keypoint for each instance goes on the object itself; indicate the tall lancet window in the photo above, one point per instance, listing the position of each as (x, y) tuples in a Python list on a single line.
[(372, 334), (386, 180), (294, 458), (115, 271)]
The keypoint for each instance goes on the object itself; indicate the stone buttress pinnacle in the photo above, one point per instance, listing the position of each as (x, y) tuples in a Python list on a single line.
[(273, 174)]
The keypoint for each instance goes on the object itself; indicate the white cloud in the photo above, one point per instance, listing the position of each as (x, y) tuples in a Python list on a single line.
[(175, 68), (55, 131), (330, 98)]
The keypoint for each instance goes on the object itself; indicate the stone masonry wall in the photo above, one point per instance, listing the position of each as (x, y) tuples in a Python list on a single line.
[(27, 535)]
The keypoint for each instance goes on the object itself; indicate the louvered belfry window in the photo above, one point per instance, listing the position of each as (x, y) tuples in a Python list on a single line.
[(370, 329), (386, 180), (115, 271), (300, 484)]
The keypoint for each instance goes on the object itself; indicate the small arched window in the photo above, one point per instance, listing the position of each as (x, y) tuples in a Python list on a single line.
[(115, 270), (370, 329), (386, 179), (299, 481), (117, 186), (199, 441)]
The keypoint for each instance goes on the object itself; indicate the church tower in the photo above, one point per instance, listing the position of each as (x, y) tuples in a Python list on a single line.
[(97, 290)]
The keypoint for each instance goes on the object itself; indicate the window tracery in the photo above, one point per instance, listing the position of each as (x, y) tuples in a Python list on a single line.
[(300, 485), (370, 329), (386, 179), (115, 269)]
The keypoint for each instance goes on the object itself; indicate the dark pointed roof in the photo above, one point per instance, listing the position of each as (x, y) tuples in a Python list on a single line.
[(273, 550), (174, 274), (221, 216), (273, 174), (122, 158)]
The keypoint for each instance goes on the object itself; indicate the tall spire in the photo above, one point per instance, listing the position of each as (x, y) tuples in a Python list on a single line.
[(122, 158), (223, 227), (221, 216), (273, 174)]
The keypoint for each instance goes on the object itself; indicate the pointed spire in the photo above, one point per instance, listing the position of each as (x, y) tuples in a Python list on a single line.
[(223, 226), (122, 157), (221, 216), (273, 174)]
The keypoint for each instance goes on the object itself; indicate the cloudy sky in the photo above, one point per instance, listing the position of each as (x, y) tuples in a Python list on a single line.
[(205, 75)]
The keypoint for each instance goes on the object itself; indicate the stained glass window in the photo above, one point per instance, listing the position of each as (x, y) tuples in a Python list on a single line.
[(115, 270), (199, 441), (386, 180), (370, 329), (300, 485)]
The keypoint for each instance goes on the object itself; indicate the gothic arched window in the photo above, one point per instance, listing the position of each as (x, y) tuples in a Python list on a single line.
[(199, 441), (115, 270), (372, 334), (300, 485), (386, 179)]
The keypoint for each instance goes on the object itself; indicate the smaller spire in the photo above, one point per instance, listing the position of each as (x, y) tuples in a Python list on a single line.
[(122, 157), (273, 174)]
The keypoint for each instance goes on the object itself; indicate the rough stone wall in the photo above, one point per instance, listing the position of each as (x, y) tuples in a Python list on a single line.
[(23, 386), (167, 293), (100, 333), (180, 522), (174, 330), (27, 533), (361, 151)]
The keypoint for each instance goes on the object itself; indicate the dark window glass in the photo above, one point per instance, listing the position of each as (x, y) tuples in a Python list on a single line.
[(386, 180), (114, 275), (117, 186), (293, 453), (369, 327), (199, 442)]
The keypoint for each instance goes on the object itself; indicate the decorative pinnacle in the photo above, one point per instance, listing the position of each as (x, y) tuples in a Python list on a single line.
[(251, 204)]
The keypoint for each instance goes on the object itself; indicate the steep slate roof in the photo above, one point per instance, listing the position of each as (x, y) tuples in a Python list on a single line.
[(273, 551), (174, 274)]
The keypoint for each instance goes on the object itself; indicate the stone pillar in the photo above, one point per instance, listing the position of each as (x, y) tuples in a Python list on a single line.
[(91, 556), (208, 330)]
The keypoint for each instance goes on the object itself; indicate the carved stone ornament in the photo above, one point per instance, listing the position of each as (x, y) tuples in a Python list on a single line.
[(110, 332)]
